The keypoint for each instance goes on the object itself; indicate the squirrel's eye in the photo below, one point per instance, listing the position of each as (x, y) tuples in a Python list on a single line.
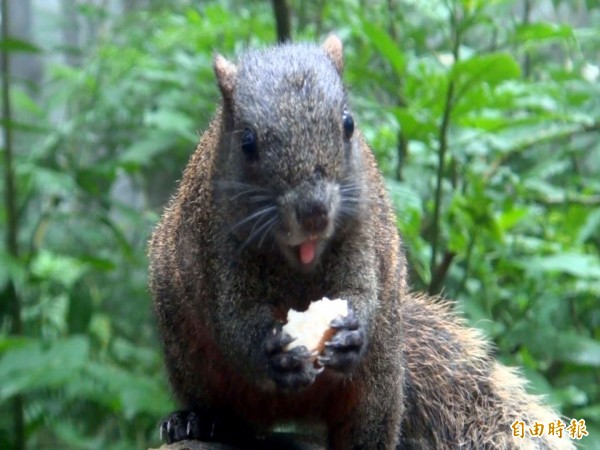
[(348, 125), (249, 143)]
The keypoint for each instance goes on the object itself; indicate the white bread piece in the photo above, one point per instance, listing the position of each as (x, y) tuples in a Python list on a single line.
[(311, 327)]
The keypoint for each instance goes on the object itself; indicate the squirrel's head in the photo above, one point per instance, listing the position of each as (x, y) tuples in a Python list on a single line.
[(289, 169)]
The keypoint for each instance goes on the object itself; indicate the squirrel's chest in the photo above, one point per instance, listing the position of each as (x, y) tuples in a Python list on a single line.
[(269, 278), (326, 400), (283, 292)]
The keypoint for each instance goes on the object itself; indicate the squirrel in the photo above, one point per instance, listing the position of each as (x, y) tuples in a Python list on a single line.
[(281, 204)]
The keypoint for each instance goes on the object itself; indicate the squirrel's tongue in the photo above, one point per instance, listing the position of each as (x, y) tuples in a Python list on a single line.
[(307, 251)]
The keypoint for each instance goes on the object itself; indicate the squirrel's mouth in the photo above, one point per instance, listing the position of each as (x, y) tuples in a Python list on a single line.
[(305, 255), (307, 251)]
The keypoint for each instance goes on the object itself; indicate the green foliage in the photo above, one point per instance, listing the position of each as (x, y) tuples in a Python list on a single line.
[(511, 99)]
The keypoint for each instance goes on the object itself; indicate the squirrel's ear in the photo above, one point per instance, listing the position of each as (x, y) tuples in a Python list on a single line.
[(334, 48), (225, 72)]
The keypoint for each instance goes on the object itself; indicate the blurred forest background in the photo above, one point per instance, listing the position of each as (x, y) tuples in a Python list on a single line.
[(485, 118)]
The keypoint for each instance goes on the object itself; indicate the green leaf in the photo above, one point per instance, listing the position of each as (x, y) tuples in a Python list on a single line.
[(577, 349), (549, 191), (135, 393), (101, 328), (71, 433), (14, 342), (52, 182), (18, 125), (94, 179), (173, 121), (145, 150), (118, 235), (511, 217), (570, 395), (127, 352), (12, 269), (23, 101), (415, 125), (592, 412), (576, 264), (491, 69), (543, 31), (62, 269), (590, 442), (590, 227), (386, 46), (18, 45), (34, 366), (538, 384)]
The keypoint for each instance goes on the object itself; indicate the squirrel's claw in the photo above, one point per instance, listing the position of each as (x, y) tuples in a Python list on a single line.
[(348, 322), (290, 369), (277, 341), (344, 351)]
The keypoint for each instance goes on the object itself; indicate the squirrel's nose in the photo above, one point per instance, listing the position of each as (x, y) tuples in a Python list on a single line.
[(313, 216)]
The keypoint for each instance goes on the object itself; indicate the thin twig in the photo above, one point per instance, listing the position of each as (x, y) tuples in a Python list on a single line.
[(526, 20), (443, 147), (440, 272), (402, 147)]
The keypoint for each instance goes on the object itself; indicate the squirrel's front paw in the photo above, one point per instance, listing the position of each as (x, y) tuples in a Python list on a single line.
[(290, 369), (206, 427), (182, 425), (345, 350)]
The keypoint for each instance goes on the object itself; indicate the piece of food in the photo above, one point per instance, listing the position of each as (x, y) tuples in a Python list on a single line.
[(311, 327)]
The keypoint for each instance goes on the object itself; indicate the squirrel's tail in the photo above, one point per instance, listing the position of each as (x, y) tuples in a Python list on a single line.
[(458, 396)]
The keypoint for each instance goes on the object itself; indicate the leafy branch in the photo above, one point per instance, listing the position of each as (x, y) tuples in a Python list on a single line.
[(545, 137)]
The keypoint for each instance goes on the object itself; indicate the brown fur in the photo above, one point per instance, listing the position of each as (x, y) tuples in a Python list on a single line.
[(216, 304), (457, 395)]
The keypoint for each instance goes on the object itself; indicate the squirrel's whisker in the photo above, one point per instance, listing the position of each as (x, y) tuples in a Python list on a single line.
[(257, 232), (254, 216), (267, 231)]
